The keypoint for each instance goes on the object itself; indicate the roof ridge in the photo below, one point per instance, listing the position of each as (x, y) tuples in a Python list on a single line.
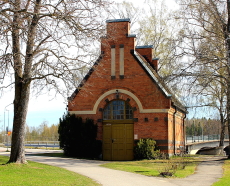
[(167, 91), (118, 20), (85, 78), (151, 70), (144, 46)]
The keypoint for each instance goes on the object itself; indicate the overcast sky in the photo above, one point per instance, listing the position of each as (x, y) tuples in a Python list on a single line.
[(45, 107)]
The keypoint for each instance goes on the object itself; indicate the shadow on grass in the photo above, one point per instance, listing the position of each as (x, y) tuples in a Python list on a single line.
[(141, 171), (60, 155)]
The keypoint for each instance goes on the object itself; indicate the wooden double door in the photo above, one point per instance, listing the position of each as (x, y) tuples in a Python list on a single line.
[(117, 141)]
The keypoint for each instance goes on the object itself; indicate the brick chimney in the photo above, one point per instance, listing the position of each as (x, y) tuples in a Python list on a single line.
[(155, 63), (147, 52), (116, 46), (118, 33), (118, 28)]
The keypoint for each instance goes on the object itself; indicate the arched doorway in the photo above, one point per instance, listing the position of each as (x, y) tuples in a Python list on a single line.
[(118, 131)]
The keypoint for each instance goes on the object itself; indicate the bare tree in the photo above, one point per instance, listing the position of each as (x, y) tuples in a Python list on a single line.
[(125, 10), (44, 45), (206, 43), (159, 29), (155, 25)]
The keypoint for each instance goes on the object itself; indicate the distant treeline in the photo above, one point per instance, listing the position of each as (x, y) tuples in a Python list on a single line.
[(42, 133), (193, 127), (199, 126)]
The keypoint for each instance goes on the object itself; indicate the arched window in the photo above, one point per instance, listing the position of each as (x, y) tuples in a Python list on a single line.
[(118, 110)]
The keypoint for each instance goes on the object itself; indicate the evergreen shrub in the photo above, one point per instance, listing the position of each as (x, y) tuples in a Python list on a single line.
[(78, 138), (146, 149)]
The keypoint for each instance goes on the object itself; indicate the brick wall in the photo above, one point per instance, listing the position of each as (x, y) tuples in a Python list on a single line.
[(135, 80)]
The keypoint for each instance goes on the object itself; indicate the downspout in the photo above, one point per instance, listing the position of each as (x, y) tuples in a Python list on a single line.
[(184, 133), (174, 131)]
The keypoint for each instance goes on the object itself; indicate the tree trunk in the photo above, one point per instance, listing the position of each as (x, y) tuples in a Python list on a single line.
[(227, 37), (222, 130), (228, 110), (22, 93), (222, 135), (22, 81)]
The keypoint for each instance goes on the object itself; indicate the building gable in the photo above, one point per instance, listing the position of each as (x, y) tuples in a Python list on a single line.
[(128, 73), (121, 64)]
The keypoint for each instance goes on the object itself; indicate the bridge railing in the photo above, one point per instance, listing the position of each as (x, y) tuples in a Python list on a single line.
[(193, 139), (42, 143), (39, 144)]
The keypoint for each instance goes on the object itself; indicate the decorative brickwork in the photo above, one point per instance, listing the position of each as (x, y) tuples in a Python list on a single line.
[(130, 74)]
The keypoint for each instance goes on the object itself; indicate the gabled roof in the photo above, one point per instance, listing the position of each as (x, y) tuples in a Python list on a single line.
[(157, 79), (85, 78), (149, 70)]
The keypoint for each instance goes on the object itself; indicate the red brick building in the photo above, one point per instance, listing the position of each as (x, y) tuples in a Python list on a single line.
[(125, 96)]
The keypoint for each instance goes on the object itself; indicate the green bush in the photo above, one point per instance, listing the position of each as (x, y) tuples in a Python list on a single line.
[(146, 149), (78, 138)]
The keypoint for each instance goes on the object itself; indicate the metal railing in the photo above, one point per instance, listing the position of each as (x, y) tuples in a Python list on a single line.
[(39, 144), (193, 139)]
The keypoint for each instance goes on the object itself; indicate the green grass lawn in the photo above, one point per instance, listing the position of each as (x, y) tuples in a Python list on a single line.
[(33, 174), (154, 167), (225, 180)]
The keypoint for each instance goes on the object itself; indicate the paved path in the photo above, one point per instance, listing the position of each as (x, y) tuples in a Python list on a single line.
[(207, 172)]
